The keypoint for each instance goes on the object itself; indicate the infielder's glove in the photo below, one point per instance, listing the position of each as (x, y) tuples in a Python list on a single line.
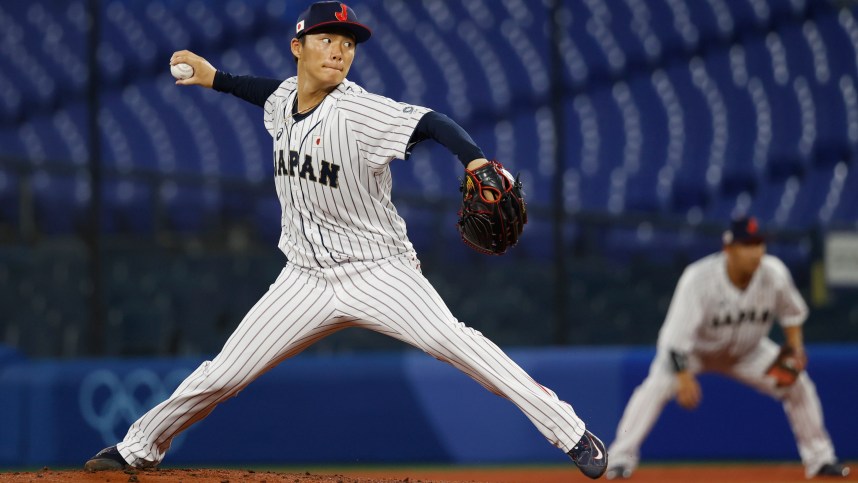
[(784, 369), (493, 225)]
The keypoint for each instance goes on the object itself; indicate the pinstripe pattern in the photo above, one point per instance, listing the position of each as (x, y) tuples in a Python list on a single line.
[(350, 265), (697, 323), (304, 305), (360, 133), (709, 314), (396, 296)]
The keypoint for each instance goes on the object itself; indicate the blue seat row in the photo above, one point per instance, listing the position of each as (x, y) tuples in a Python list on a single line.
[(675, 107)]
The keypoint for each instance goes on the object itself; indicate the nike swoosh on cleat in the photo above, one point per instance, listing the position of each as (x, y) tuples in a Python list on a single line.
[(598, 452)]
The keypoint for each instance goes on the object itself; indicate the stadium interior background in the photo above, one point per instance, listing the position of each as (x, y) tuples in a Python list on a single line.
[(138, 218)]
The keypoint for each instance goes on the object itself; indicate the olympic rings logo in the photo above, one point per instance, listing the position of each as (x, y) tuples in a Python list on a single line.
[(110, 403)]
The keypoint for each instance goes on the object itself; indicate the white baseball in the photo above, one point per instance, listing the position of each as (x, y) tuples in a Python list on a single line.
[(181, 71)]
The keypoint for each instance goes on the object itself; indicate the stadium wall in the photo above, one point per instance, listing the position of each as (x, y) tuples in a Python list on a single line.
[(396, 408)]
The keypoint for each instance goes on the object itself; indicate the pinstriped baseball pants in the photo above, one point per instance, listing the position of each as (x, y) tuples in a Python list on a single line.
[(302, 306), (800, 402)]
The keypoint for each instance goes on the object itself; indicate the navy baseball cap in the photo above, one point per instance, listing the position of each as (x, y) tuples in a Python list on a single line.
[(336, 15), (745, 231)]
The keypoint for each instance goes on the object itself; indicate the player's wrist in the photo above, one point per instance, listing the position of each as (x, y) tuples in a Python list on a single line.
[(794, 349), (477, 163), (679, 361)]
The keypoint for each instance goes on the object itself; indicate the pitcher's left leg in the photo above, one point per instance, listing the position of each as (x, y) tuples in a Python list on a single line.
[(395, 296)]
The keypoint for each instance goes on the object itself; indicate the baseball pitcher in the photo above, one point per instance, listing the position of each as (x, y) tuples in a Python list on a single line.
[(350, 263)]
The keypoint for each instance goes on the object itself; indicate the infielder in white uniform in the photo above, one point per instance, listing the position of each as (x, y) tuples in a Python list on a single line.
[(350, 263), (719, 319)]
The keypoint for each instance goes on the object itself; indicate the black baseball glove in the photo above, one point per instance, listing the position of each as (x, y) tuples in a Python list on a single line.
[(493, 210)]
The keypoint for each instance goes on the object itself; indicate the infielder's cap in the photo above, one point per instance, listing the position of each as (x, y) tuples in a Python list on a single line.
[(744, 231), (331, 15)]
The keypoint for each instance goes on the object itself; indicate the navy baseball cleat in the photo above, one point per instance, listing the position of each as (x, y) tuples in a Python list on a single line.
[(833, 469), (106, 459), (590, 455)]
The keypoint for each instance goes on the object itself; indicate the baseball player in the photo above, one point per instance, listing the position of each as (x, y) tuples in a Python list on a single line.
[(719, 319), (350, 263)]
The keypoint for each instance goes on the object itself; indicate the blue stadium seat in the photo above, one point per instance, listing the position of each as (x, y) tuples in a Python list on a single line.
[(786, 166), (60, 202), (11, 100), (431, 53), (163, 27), (697, 120), (811, 198), (537, 242), (742, 118), (130, 146), (741, 170), (673, 24), (689, 191), (831, 26), (786, 124), (154, 129), (522, 32), (846, 212), (832, 143), (201, 23), (190, 209), (72, 125), (747, 18), (188, 130), (712, 26), (642, 195), (592, 36), (797, 257), (237, 203), (10, 202), (430, 171), (533, 139), (45, 144), (20, 56), (13, 145), (602, 150), (789, 10), (421, 226), (61, 44), (242, 143), (397, 17), (632, 33), (723, 207), (626, 244), (768, 197), (642, 186), (685, 110), (129, 208), (248, 58), (799, 55), (266, 219)]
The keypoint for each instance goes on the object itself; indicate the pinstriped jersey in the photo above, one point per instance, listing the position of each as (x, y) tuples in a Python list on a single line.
[(332, 174), (708, 314)]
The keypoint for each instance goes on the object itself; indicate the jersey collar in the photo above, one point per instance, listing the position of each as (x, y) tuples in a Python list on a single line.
[(345, 86)]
